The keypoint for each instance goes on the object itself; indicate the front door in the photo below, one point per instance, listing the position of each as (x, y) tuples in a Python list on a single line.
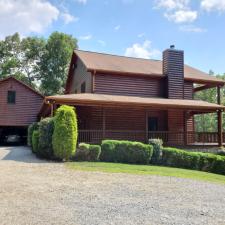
[(152, 123)]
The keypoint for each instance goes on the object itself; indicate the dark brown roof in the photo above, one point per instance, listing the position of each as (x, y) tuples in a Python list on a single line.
[(119, 64), (114, 100)]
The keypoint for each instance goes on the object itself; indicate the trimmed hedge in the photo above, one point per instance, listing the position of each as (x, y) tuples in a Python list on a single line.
[(94, 152), (35, 141), (65, 134), (126, 152), (34, 126), (221, 152), (82, 152), (193, 160), (157, 150), (87, 152), (46, 128)]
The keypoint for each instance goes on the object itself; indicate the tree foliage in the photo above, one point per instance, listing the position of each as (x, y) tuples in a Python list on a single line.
[(40, 63), (208, 122), (55, 62)]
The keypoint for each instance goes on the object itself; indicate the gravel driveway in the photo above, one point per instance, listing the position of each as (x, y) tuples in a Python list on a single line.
[(33, 191)]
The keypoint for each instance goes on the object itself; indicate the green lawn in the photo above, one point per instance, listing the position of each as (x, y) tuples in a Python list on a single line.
[(146, 170)]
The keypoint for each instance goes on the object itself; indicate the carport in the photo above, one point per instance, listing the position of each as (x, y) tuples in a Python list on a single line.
[(19, 107)]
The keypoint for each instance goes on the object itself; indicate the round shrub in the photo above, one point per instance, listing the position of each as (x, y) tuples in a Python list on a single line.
[(65, 133), (46, 128), (35, 141), (31, 128), (157, 150)]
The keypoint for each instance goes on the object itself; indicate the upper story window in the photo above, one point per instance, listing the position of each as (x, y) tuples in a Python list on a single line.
[(83, 87), (11, 98)]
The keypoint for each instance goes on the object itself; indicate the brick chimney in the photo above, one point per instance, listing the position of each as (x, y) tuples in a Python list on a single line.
[(173, 68)]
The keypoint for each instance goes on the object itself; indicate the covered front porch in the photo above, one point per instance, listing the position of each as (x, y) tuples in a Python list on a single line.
[(140, 119), (169, 138)]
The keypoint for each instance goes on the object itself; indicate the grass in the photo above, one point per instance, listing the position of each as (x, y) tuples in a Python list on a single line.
[(146, 170)]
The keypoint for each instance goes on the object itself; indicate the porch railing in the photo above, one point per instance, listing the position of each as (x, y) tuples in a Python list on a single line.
[(96, 136)]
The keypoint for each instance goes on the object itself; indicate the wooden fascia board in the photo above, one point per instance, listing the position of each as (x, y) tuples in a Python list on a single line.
[(206, 82), (133, 105)]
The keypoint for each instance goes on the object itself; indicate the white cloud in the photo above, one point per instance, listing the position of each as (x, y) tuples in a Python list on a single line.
[(178, 11), (192, 29), (86, 37), (182, 16), (26, 16), (172, 4), (144, 50), (81, 1), (213, 5), (101, 42), (117, 27), (68, 18)]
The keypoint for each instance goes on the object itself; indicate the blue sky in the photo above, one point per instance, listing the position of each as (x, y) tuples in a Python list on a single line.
[(139, 28)]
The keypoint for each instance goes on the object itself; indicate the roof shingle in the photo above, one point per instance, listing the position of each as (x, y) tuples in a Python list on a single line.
[(119, 64)]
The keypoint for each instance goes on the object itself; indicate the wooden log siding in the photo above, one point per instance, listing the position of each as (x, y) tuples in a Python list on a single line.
[(188, 90), (176, 125), (79, 77), (128, 85), (26, 108)]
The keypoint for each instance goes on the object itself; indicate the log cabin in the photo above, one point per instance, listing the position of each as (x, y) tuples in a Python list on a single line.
[(19, 107), (126, 98)]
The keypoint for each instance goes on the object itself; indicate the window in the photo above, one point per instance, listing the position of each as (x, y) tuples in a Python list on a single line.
[(83, 87), (11, 97)]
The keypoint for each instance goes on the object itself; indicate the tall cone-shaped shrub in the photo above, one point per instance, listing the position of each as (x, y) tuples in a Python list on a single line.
[(65, 133)]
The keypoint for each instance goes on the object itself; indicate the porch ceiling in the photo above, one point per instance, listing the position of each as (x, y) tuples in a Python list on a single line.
[(90, 99)]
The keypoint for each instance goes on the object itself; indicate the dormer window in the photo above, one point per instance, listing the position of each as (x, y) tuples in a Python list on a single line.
[(11, 98)]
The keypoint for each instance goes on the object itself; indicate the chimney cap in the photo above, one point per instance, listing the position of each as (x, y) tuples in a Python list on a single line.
[(172, 46)]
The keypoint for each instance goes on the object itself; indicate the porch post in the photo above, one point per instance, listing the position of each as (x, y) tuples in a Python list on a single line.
[(103, 123), (52, 109), (220, 129), (146, 126), (219, 119), (185, 128), (218, 95)]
